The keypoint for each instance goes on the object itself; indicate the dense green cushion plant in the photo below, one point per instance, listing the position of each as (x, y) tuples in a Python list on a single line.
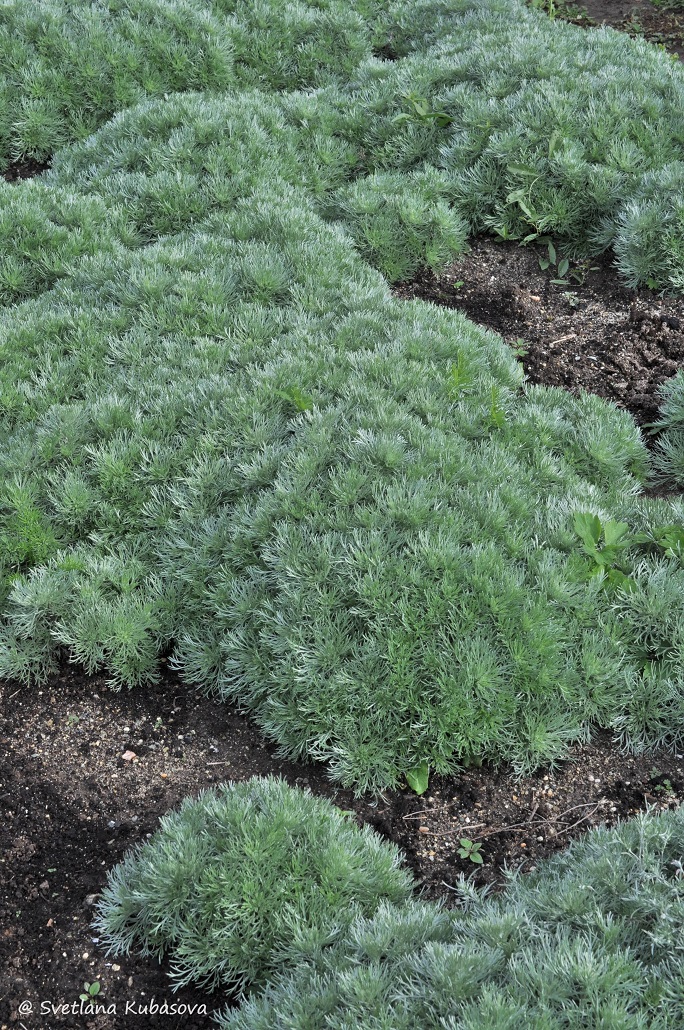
[(241, 874), (67, 68), (342, 511), (592, 939), (224, 438), (523, 126), (261, 888), (669, 456)]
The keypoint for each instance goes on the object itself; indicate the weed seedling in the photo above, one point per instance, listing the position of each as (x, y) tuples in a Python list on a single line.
[(90, 991), (419, 777), (419, 111), (604, 544), (551, 259), (470, 850)]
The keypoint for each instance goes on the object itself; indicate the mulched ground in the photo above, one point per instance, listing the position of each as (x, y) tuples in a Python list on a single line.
[(71, 804), (24, 170)]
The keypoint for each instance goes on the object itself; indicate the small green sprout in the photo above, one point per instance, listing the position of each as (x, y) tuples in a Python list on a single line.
[(90, 991), (604, 544), (418, 777), (470, 850)]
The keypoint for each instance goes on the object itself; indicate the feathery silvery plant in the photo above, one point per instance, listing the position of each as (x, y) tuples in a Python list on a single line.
[(593, 938), (240, 877)]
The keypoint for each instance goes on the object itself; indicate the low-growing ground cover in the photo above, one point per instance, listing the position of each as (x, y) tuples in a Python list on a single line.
[(344, 512), (592, 939), (72, 806), (245, 885), (227, 444), (369, 506), (244, 877)]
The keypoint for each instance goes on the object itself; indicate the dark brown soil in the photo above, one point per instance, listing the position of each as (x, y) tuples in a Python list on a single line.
[(24, 170), (71, 804), (638, 18), (590, 333), (660, 24)]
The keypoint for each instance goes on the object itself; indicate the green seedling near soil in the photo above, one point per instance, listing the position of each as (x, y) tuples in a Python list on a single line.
[(561, 265), (90, 991), (563, 270), (563, 11), (470, 850), (418, 778)]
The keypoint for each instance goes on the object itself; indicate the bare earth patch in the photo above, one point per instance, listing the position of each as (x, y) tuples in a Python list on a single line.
[(593, 334)]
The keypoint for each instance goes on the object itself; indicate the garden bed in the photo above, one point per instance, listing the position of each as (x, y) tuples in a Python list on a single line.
[(589, 333), (72, 804), (659, 23), (87, 771)]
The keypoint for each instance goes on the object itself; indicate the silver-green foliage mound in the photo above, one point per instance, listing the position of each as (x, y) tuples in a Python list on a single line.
[(669, 455), (534, 128), (66, 68), (243, 878), (593, 939), (342, 511), (493, 116), (224, 438)]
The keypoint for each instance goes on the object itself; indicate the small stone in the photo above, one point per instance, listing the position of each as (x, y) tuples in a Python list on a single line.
[(128, 756), (116, 969)]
